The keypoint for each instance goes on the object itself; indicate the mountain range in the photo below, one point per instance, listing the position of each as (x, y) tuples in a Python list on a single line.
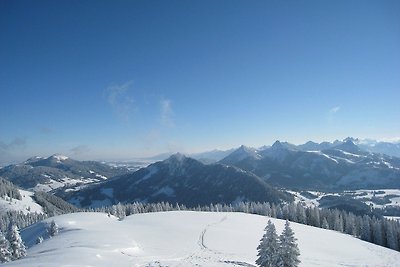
[(243, 174), (342, 165), (368, 145)]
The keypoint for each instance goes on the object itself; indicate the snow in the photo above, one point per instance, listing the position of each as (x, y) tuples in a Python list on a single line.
[(391, 194), (364, 195), (183, 238), (59, 158), (306, 201), (26, 204), (350, 154), (390, 166), (98, 175), (66, 181), (324, 155), (101, 176)]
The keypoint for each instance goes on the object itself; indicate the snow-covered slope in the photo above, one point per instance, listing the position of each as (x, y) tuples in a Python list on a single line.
[(186, 239), (26, 204)]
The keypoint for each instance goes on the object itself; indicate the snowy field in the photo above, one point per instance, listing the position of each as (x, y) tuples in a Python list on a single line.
[(186, 239)]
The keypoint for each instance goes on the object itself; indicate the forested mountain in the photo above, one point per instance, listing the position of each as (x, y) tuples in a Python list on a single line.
[(182, 180)]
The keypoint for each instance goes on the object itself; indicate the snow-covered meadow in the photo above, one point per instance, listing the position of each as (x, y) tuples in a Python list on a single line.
[(184, 238)]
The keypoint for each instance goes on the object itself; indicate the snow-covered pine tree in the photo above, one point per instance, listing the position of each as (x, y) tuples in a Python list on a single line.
[(366, 229), (52, 229), (391, 237), (39, 240), (288, 253), (5, 254), (325, 224), (268, 248), (17, 246)]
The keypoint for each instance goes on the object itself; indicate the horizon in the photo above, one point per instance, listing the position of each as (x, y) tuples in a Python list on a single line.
[(190, 154), (102, 80)]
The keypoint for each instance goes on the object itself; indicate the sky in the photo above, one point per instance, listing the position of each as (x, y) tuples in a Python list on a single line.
[(123, 79)]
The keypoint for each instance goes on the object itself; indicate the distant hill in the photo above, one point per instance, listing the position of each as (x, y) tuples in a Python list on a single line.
[(46, 174), (179, 179)]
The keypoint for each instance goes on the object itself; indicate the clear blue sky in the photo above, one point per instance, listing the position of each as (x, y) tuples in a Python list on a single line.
[(120, 79)]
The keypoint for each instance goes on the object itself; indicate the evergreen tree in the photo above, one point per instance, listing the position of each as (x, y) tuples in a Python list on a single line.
[(39, 240), (301, 214), (366, 229), (5, 254), (391, 237), (52, 229), (325, 224), (377, 233), (338, 221), (17, 246), (288, 253), (350, 224), (268, 248)]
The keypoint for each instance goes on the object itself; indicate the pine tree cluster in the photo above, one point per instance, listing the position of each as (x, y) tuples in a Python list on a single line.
[(278, 252), (9, 189), (11, 245)]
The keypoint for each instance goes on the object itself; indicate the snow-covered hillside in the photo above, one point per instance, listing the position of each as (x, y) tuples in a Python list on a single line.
[(186, 239), (26, 204)]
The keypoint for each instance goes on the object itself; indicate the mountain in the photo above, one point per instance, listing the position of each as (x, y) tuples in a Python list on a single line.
[(368, 145), (211, 156), (391, 149), (342, 166), (349, 146), (46, 174), (312, 146), (178, 179), (241, 153), (187, 239)]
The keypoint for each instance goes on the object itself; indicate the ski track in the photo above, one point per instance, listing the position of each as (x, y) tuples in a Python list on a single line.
[(204, 254)]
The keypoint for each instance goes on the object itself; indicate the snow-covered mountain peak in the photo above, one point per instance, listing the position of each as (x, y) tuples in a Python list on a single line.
[(246, 149), (278, 145), (179, 157), (349, 146), (58, 157), (352, 139), (243, 152)]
